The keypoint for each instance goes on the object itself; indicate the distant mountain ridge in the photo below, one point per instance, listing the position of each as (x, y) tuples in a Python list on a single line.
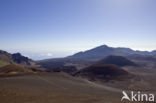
[(86, 58), (15, 58), (16, 64), (5, 56), (104, 50), (18, 58)]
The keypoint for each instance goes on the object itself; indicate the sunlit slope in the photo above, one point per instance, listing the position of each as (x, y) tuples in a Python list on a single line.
[(2, 63), (62, 88), (13, 69), (54, 88)]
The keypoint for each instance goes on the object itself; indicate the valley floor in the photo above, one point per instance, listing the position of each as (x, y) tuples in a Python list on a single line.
[(55, 88), (52, 88)]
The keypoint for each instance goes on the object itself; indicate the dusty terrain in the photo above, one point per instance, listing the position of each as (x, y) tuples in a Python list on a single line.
[(59, 87), (53, 88), (62, 88)]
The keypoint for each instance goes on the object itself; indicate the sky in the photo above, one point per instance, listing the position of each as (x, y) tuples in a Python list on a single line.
[(43, 29)]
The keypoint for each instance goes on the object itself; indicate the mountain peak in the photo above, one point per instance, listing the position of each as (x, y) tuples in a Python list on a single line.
[(102, 51), (17, 54), (103, 46)]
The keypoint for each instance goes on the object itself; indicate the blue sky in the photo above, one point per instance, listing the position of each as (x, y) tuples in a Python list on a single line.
[(56, 28)]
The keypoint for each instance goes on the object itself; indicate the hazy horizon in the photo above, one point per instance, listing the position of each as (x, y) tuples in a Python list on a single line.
[(48, 55), (43, 29)]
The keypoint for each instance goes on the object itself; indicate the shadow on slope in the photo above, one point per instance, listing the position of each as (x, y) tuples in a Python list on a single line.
[(117, 60), (103, 72)]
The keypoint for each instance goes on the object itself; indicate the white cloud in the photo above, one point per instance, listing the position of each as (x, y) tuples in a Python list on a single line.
[(47, 54)]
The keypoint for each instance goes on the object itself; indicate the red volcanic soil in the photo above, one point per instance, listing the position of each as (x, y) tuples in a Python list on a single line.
[(13, 69), (103, 72)]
